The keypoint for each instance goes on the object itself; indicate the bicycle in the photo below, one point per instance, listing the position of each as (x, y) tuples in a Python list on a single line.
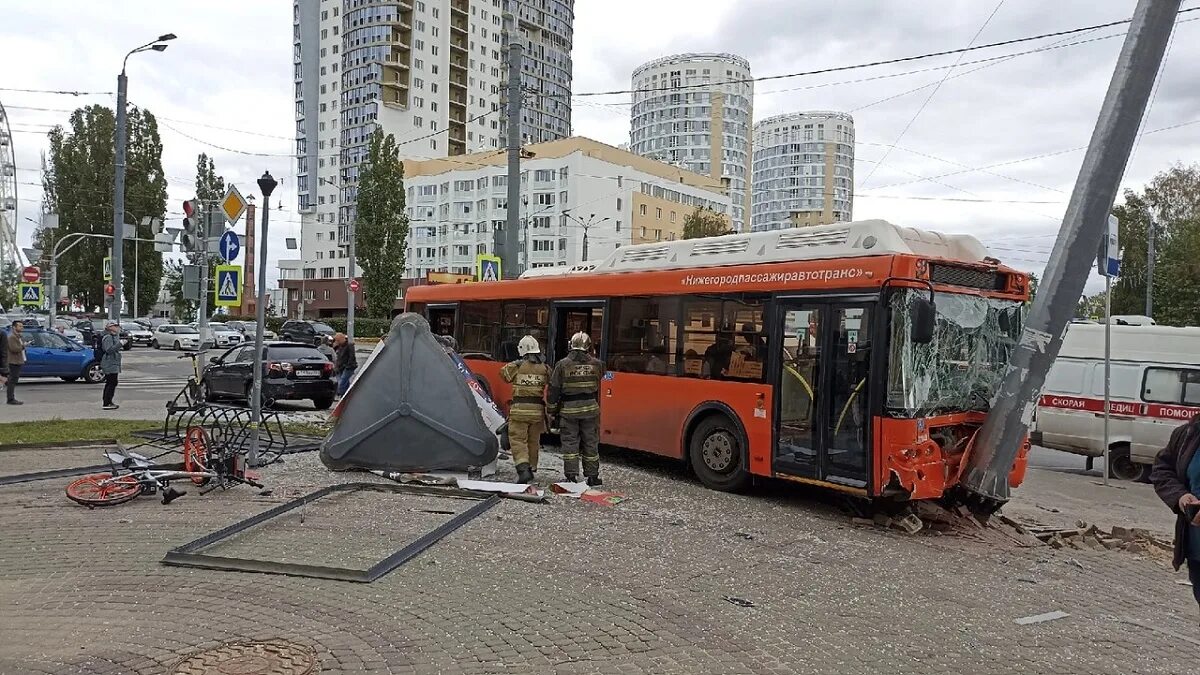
[(201, 464), (192, 393)]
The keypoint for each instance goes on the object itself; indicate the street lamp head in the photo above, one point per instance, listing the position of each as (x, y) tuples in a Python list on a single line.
[(166, 36), (159, 48), (267, 184)]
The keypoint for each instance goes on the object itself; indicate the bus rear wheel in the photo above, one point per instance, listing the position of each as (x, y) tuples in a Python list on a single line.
[(716, 452)]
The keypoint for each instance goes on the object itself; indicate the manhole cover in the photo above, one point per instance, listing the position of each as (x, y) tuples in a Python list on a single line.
[(269, 657)]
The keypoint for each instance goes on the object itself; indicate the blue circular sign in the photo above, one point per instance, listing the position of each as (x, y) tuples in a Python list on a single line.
[(229, 246)]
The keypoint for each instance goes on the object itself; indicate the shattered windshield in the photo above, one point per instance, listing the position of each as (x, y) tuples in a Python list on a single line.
[(961, 367)]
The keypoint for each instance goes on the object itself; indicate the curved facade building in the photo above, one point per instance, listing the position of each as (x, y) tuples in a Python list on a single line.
[(694, 111), (803, 170)]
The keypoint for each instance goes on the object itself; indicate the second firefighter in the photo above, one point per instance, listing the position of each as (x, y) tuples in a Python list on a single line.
[(575, 391), (527, 413)]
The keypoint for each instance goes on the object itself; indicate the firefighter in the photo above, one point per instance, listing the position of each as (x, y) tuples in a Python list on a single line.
[(527, 413), (574, 393)]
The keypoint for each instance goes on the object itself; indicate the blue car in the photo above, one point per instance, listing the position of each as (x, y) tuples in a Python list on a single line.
[(48, 354)]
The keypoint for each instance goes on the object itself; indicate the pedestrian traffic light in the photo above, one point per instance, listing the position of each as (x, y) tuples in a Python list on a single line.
[(109, 290)]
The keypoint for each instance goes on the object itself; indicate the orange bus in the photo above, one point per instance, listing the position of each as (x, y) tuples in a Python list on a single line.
[(859, 356)]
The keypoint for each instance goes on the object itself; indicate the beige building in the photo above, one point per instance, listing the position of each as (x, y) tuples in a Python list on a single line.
[(695, 111), (576, 194)]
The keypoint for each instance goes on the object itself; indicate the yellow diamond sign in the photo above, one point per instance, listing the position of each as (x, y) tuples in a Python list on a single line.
[(233, 205)]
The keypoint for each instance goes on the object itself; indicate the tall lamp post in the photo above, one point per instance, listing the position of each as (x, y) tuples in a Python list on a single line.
[(267, 185), (118, 270)]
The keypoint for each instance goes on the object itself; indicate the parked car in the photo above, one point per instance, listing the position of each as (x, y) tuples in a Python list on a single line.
[(249, 328), (93, 329), (309, 332), (48, 354), (28, 320), (176, 336), (138, 334), (65, 328), (291, 371)]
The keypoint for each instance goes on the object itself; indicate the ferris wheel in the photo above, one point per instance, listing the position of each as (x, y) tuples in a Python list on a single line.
[(9, 252)]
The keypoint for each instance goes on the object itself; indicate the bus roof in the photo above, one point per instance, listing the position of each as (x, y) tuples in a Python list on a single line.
[(841, 240)]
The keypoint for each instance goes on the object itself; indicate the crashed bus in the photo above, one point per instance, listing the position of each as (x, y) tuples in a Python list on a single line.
[(859, 356)]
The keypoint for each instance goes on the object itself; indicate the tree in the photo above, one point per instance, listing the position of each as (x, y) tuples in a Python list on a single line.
[(77, 185), (381, 226), (705, 223), (173, 282), (1033, 287), (10, 276), (210, 189), (1173, 197)]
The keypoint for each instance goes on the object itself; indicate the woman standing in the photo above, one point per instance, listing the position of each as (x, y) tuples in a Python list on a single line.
[(1176, 478)]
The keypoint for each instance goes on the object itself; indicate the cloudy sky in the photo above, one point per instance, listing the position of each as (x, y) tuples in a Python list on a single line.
[(993, 151)]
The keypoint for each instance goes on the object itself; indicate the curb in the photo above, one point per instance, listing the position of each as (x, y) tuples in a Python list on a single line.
[(60, 444)]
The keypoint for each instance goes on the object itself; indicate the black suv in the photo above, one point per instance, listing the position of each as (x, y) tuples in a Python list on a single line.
[(311, 332), (93, 329)]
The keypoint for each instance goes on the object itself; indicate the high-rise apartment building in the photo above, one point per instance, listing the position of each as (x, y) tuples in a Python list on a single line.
[(695, 111), (803, 170), (430, 72)]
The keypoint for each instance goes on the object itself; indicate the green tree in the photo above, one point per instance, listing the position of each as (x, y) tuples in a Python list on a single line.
[(705, 223), (173, 283), (1033, 287), (210, 189), (77, 185), (381, 226), (10, 276), (1173, 197)]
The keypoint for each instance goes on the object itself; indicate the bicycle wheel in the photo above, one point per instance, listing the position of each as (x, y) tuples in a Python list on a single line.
[(104, 489), (196, 453)]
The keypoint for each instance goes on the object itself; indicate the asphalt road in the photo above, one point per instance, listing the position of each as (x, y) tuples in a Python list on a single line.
[(150, 378)]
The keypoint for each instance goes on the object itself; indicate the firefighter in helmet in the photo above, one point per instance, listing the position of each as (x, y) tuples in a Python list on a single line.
[(527, 412), (575, 393)]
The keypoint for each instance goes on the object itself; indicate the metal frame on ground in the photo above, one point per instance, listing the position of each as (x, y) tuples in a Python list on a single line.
[(188, 555)]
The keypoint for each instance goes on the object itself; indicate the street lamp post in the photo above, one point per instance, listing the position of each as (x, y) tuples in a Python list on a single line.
[(118, 236), (267, 185), (589, 224)]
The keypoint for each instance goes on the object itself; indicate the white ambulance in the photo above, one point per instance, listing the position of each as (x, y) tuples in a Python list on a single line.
[(1155, 387)]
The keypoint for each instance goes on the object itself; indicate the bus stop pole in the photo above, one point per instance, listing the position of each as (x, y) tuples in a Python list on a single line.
[(1107, 367)]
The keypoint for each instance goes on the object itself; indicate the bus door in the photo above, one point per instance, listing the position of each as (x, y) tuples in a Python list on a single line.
[(570, 317), (822, 390)]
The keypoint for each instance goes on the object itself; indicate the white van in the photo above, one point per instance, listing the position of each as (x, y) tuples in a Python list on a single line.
[(1155, 387)]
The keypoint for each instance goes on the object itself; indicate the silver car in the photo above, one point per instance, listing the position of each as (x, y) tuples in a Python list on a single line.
[(176, 336)]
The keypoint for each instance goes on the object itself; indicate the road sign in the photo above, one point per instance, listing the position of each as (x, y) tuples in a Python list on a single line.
[(31, 274), (487, 268), (1108, 261), (229, 285), (233, 205), (354, 285), (230, 246), (30, 294), (108, 269)]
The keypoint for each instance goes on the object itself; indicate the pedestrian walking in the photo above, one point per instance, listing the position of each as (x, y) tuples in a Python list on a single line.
[(345, 362), (15, 348), (575, 393), (110, 362), (1176, 479), (528, 376)]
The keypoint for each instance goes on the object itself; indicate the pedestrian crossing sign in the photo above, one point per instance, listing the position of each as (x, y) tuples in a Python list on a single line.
[(229, 286), (487, 268), (30, 294)]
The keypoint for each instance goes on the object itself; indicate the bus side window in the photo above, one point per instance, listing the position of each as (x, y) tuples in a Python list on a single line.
[(480, 327), (521, 319), (642, 335), (441, 321)]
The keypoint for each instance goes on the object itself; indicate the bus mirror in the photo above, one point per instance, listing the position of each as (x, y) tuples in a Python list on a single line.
[(922, 315)]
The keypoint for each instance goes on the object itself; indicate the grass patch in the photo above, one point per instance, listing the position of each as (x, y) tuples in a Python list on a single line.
[(66, 431), (307, 428)]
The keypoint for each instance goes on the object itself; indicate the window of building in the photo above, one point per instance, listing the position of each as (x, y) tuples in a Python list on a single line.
[(543, 245), (642, 209), (672, 216), (642, 335), (724, 339), (658, 212), (544, 199)]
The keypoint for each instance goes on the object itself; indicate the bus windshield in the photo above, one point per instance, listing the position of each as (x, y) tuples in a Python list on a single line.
[(960, 369)]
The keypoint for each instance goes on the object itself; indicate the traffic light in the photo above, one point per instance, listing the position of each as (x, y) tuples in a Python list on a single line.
[(190, 239), (109, 293)]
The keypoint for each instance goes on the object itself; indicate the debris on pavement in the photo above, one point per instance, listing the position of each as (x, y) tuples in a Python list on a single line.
[(602, 498), (1090, 537), (1041, 618), (740, 602), (520, 491), (569, 489)]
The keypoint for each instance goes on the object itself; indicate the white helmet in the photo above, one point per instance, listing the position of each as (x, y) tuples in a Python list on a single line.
[(528, 345), (581, 341)]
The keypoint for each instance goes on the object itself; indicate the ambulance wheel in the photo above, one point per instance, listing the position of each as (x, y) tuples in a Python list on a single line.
[(716, 452), (1122, 465)]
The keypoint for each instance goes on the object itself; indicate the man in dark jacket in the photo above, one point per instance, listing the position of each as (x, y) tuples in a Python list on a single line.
[(345, 362), (1176, 479)]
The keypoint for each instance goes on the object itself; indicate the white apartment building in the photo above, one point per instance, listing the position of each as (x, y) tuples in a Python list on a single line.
[(572, 190), (695, 111), (803, 170), (430, 72)]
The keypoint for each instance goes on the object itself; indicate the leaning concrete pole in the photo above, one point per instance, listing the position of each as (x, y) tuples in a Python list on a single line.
[(986, 475)]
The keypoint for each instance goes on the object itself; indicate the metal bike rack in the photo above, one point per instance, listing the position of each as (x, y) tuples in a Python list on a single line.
[(190, 555)]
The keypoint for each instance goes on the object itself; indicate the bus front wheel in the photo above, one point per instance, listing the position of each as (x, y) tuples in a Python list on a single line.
[(717, 454)]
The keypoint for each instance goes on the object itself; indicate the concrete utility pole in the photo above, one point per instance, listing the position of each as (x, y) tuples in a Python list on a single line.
[(1150, 268), (351, 296), (266, 185), (508, 244), (985, 477)]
